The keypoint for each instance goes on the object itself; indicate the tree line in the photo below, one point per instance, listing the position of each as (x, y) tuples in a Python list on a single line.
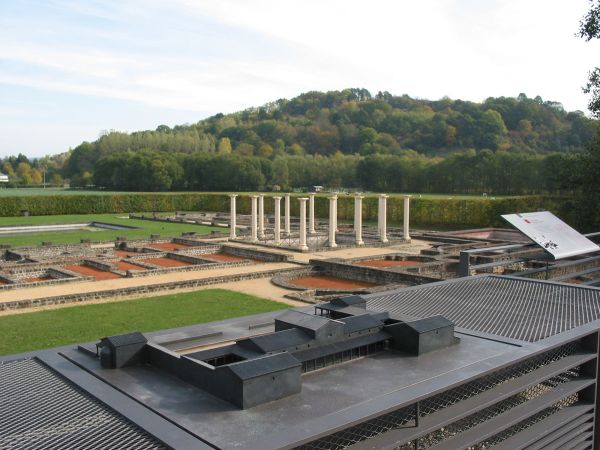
[(468, 172), (345, 138)]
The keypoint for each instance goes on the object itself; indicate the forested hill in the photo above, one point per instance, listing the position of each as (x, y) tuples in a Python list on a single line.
[(350, 125)]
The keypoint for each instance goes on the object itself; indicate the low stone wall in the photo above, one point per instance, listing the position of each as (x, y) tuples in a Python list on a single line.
[(283, 279), (261, 255), (562, 269), (161, 270), (343, 269), (137, 290), (430, 265), (59, 276)]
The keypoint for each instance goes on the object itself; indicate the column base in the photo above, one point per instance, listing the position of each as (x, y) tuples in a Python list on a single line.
[(360, 243), (385, 240), (332, 245), (303, 248)]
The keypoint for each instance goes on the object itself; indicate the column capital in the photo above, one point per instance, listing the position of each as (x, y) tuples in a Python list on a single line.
[(384, 196), (276, 198), (359, 195), (302, 199), (233, 195), (254, 196), (407, 196)]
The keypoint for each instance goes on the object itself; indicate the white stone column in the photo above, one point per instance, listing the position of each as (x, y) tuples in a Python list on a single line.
[(253, 218), (286, 228), (383, 218), (277, 230), (332, 220), (311, 213), (261, 216), (232, 214), (358, 218), (303, 247), (406, 226), (337, 229)]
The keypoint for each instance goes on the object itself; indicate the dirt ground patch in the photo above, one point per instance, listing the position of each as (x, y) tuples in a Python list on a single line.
[(124, 266), (387, 263), (167, 262), (327, 282), (36, 279), (222, 257), (168, 246), (124, 253), (93, 272)]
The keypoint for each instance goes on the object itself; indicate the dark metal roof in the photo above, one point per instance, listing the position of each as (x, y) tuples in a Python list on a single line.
[(261, 366), (353, 324), (521, 309), (303, 320), (351, 300), (429, 324), (126, 339), (41, 410), (340, 346), (279, 340)]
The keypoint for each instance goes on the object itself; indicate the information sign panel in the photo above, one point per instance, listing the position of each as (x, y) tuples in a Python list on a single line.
[(552, 234)]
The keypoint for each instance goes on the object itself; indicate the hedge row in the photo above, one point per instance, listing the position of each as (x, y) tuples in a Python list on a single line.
[(434, 212)]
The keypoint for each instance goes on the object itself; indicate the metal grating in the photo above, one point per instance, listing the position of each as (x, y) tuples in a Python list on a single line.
[(520, 309), (406, 416), (482, 384), (363, 431), (530, 421), (501, 407), (40, 410)]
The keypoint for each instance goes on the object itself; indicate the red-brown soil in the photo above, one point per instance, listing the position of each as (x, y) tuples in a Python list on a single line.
[(222, 257), (35, 279), (167, 246), (125, 266), (326, 282), (93, 272), (124, 253), (387, 263), (167, 262)]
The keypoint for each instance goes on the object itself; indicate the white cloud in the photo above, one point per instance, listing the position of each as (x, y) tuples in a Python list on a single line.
[(226, 55)]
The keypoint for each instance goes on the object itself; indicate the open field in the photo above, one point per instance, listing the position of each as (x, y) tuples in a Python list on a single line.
[(144, 230), (52, 328)]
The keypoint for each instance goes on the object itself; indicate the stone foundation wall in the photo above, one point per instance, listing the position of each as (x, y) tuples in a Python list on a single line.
[(162, 288), (563, 269), (341, 269), (59, 276), (261, 255), (161, 270)]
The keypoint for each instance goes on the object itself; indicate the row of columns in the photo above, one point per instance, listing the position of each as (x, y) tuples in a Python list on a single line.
[(257, 228)]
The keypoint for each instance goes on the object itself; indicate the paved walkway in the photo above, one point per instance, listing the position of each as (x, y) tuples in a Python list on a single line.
[(95, 286)]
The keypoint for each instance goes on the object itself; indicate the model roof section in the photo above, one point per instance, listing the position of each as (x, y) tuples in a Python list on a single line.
[(278, 341), (515, 308), (253, 368), (42, 410)]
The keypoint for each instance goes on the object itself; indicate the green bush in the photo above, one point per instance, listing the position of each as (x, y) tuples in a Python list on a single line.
[(482, 212)]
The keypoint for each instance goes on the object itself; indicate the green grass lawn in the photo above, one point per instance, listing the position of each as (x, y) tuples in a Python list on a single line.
[(146, 228), (52, 328)]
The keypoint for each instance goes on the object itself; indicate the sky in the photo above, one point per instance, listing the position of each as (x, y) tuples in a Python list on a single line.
[(70, 70)]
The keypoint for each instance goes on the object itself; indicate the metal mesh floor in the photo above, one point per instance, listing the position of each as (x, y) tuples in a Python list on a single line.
[(519, 309), (40, 410)]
